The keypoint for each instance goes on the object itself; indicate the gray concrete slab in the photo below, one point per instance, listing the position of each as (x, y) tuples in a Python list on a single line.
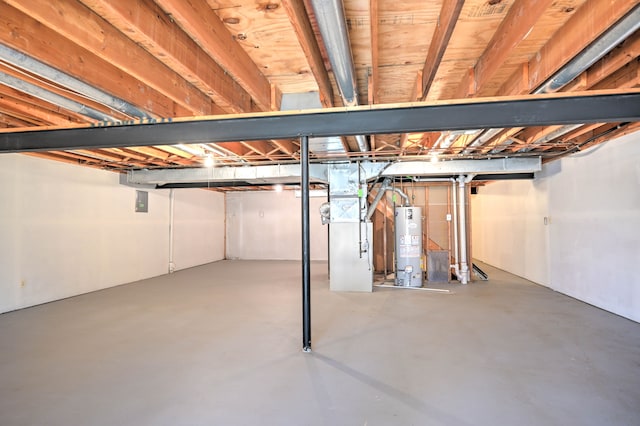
[(220, 345)]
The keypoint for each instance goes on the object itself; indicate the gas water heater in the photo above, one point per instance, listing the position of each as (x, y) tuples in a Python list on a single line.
[(408, 224)]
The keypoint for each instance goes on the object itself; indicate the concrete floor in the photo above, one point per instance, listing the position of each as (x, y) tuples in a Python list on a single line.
[(220, 345)]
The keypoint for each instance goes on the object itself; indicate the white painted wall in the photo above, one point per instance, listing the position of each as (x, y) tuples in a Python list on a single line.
[(508, 229), (591, 247), (198, 227), (266, 225), (67, 230)]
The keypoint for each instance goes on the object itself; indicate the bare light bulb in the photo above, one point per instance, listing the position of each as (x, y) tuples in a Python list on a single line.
[(208, 161)]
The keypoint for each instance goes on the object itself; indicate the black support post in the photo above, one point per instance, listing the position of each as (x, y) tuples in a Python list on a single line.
[(306, 246)]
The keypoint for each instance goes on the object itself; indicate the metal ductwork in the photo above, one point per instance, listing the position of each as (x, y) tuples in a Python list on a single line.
[(320, 146), (20, 60), (333, 29), (615, 35), (607, 41), (54, 98)]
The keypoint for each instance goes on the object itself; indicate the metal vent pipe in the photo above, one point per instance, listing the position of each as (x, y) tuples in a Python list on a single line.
[(612, 37), (54, 98), (386, 186), (333, 29), (20, 60), (604, 44)]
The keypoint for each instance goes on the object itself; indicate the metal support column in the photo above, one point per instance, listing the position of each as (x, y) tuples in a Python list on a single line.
[(306, 247)]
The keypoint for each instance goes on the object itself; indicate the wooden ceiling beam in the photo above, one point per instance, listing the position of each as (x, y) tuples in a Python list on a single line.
[(150, 151), (176, 151), (592, 19), (67, 158), (515, 27), (234, 149), (588, 22), (102, 154), (146, 24), (615, 60), (592, 137), (37, 111), (627, 77), (499, 139), (286, 146), (259, 147), (374, 20), (520, 20), (16, 110), (300, 21), (444, 29), (565, 140), (159, 154), (13, 121), (202, 24), (126, 153), (19, 103), (25, 34), (53, 87), (609, 132), (518, 83), (86, 29)]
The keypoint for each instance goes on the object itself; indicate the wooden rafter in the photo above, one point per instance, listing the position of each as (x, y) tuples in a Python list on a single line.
[(588, 22), (260, 147), (615, 60), (43, 43), (626, 77), (52, 87), (146, 24), (374, 19), (518, 23), (87, 30), (580, 30), (300, 21), (12, 121), (15, 106), (198, 20), (444, 29)]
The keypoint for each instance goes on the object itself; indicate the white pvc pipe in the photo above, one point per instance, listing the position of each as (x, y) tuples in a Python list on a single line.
[(464, 266), (172, 266), (454, 201)]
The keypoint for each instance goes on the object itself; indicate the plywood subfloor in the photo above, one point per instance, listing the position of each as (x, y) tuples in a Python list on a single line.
[(220, 344)]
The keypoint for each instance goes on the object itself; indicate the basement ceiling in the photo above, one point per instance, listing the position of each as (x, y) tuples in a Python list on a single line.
[(68, 62)]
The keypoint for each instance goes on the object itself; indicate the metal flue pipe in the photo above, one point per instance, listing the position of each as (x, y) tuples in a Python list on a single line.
[(386, 186)]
